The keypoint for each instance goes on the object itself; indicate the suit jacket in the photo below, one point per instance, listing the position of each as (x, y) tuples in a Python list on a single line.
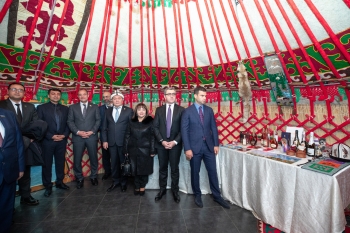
[(29, 114), (193, 132), (113, 132), (102, 114), (46, 112), (12, 149), (77, 122), (159, 125)]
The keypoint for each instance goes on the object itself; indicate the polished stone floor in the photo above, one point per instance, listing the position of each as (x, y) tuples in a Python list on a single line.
[(92, 209)]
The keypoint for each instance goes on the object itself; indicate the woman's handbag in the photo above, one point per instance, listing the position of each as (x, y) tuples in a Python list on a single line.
[(126, 167)]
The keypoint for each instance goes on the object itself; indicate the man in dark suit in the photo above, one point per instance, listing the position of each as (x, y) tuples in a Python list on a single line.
[(106, 158), (84, 121), (11, 165), (201, 142), (167, 130), (25, 113), (113, 130), (55, 141)]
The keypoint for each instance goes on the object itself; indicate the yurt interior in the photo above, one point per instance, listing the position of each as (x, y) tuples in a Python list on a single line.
[(175, 116)]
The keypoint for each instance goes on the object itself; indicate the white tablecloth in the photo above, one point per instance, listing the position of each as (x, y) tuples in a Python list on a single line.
[(284, 195)]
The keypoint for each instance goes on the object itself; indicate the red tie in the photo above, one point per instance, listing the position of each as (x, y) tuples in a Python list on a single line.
[(201, 116)]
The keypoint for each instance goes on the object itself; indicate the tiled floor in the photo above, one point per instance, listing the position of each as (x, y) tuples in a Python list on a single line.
[(92, 209)]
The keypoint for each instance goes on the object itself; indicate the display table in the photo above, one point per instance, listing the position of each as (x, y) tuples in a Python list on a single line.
[(284, 195)]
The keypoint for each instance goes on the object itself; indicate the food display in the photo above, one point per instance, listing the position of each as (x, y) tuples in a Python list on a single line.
[(278, 157)]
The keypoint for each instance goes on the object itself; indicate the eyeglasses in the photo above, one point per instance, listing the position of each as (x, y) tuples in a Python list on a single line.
[(17, 90), (173, 94)]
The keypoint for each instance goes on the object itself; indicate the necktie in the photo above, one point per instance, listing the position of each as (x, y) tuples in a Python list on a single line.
[(116, 114), (1, 140), (168, 122), (201, 116), (57, 118), (19, 114), (84, 110)]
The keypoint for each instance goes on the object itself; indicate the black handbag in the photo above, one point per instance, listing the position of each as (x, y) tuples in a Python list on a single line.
[(126, 167)]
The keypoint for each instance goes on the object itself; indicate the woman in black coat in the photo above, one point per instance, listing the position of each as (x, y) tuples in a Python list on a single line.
[(139, 145)]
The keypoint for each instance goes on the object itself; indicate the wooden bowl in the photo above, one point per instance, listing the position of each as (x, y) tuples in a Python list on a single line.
[(301, 154), (290, 152)]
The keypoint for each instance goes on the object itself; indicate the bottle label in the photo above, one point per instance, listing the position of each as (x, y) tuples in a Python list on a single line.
[(310, 151), (273, 145)]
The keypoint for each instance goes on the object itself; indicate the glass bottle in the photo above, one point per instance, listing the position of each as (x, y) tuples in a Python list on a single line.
[(311, 146), (296, 141), (273, 142), (253, 138), (244, 141), (303, 142), (262, 137)]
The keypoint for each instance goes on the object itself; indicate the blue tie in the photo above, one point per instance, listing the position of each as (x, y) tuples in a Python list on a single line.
[(116, 114)]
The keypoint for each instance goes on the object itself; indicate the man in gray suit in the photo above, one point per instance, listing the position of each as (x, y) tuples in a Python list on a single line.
[(25, 113), (84, 121), (115, 122)]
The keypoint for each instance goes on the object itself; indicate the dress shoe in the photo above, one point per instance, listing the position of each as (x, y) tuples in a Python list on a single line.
[(29, 201), (176, 197), (94, 181), (80, 184), (62, 186), (222, 202), (48, 192), (105, 176), (198, 201), (123, 188), (136, 192), (142, 192), (113, 186), (160, 195)]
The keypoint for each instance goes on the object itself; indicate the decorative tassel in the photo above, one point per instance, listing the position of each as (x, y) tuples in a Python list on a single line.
[(244, 90)]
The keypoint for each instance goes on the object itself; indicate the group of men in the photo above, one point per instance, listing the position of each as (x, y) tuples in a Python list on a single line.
[(193, 129)]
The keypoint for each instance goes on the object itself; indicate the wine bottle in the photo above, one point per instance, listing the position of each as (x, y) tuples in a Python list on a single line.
[(244, 141), (266, 139), (273, 142), (253, 138), (311, 146), (262, 137), (303, 142), (296, 141)]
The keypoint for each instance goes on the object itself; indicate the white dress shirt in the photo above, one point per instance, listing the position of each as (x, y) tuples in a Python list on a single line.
[(172, 111), (2, 130), (82, 106), (15, 106), (114, 111)]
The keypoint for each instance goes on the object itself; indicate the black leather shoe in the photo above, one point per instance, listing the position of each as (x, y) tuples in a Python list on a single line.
[(222, 202), (80, 184), (94, 181), (142, 192), (48, 192), (176, 197), (113, 186), (136, 192), (62, 186), (160, 195), (29, 201), (105, 176), (198, 201), (123, 188)]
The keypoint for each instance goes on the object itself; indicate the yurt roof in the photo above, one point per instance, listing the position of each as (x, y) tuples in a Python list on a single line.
[(196, 37)]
